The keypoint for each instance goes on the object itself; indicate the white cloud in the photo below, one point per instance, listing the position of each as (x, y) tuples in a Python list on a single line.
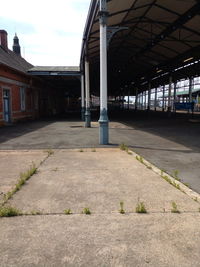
[(58, 29)]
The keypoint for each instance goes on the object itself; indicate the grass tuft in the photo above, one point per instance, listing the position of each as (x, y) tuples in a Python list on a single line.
[(22, 180), (122, 211), (140, 208), (9, 211), (49, 152), (67, 212), (93, 150), (174, 208), (86, 211), (35, 212), (123, 147)]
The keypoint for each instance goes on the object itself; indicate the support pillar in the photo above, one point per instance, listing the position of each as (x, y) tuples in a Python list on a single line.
[(87, 94), (169, 95), (175, 87), (190, 88), (163, 100), (155, 99), (136, 99), (149, 97), (82, 98), (128, 99), (103, 120)]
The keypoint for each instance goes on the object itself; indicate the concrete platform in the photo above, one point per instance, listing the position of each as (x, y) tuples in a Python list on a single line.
[(100, 180), (171, 144), (14, 162), (161, 240)]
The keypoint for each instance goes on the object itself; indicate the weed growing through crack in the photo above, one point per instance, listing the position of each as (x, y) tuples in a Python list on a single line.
[(8, 211), (122, 211), (140, 159), (166, 178), (55, 169), (186, 184), (49, 152), (67, 212), (174, 208), (81, 150), (35, 212), (22, 180), (86, 211), (175, 175), (140, 208), (123, 147)]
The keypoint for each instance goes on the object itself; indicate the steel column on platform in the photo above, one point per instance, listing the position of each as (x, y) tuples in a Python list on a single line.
[(190, 88), (87, 95), (136, 99), (149, 97), (103, 120), (155, 100), (175, 87), (163, 99), (169, 95), (82, 98)]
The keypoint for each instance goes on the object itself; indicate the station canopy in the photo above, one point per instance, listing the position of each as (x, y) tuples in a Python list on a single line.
[(148, 40)]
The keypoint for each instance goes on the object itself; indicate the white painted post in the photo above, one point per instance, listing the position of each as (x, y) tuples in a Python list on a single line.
[(103, 120), (136, 99), (149, 97), (190, 88), (87, 94), (175, 87), (169, 95), (163, 102), (82, 98), (155, 100)]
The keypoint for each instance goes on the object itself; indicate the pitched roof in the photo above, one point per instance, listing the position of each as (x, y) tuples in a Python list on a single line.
[(14, 61)]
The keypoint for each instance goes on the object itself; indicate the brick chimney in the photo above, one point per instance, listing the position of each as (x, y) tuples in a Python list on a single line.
[(3, 40)]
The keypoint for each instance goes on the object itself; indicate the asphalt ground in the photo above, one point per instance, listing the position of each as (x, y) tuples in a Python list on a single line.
[(172, 144)]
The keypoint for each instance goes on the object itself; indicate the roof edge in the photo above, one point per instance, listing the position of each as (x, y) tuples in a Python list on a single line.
[(90, 18)]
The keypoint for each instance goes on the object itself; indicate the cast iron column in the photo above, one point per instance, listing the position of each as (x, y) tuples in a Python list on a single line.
[(149, 97), (169, 95), (103, 120), (155, 100), (82, 98), (87, 94)]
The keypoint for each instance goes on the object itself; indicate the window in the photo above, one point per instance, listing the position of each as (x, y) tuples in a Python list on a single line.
[(23, 99)]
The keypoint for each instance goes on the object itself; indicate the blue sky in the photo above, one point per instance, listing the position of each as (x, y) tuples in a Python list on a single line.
[(50, 32)]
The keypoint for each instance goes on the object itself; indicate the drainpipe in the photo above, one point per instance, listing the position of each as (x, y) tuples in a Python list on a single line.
[(103, 120)]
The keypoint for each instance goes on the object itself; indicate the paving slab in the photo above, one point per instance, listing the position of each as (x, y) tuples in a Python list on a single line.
[(72, 179), (14, 162), (163, 240)]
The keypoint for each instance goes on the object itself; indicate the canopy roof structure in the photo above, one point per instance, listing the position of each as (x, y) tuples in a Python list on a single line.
[(148, 40)]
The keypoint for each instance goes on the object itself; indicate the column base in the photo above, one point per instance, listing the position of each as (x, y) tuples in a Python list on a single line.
[(87, 118), (103, 128), (83, 114)]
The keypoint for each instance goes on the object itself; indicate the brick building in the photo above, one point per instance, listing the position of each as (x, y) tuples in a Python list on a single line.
[(19, 91)]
